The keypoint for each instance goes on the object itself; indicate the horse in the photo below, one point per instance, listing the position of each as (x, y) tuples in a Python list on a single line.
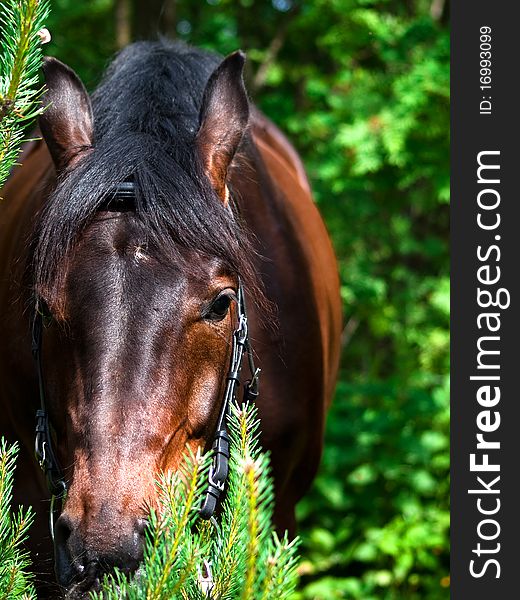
[(132, 237)]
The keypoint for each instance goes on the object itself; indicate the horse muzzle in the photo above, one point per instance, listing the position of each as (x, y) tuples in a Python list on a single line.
[(82, 557)]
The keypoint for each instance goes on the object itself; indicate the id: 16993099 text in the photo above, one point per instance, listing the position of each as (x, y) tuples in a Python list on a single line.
[(485, 70)]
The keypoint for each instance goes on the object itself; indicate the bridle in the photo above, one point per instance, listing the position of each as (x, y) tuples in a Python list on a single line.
[(219, 469), (43, 447)]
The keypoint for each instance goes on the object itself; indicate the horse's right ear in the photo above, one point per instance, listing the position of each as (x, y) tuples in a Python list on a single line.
[(223, 118), (66, 123)]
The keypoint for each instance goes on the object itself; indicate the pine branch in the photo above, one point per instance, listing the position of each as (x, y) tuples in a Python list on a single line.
[(20, 58), (281, 573), (173, 550), (248, 560), (242, 564), (15, 583), (252, 530), (180, 510)]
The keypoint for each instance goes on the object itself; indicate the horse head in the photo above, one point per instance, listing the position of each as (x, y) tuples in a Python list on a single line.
[(138, 295)]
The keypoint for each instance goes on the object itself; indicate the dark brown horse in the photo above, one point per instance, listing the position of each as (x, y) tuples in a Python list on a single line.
[(138, 296)]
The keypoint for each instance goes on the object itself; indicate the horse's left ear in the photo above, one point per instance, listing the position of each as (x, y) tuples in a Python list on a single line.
[(223, 119), (66, 123)]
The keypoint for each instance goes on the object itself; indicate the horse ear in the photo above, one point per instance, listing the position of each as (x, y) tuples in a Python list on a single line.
[(66, 123), (223, 119)]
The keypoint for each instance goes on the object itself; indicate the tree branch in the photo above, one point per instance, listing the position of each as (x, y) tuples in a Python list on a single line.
[(273, 50), (348, 331)]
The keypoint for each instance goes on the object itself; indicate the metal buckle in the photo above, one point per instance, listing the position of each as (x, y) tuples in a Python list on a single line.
[(206, 582), (215, 482), (241, 330), (43, 457), (256, 377)]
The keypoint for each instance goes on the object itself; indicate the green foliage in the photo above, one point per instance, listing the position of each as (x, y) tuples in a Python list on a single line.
[(377, 147), (15, 583), (237, 558), (83, 36), (362, 88), (20, 59)]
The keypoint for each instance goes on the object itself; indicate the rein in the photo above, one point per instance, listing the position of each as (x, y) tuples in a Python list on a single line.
[(220, 466)]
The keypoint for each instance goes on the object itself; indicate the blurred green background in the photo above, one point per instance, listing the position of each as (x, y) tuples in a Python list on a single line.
[(362, 89)]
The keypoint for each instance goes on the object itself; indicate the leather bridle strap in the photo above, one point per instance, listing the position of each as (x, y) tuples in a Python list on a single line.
[(43, 442), (220, 467)]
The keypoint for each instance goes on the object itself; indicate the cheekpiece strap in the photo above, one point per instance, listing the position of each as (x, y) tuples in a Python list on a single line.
[(43, 449), (220, 467)]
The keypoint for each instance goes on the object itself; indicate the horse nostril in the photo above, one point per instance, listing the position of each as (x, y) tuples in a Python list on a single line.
[(67, 546), (136, 546), (63, 529)]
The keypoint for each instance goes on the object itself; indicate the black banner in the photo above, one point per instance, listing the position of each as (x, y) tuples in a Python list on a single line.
[(485, 434)]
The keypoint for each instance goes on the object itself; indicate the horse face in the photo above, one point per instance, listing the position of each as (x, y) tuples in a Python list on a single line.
[(133, 374), (136, 358)]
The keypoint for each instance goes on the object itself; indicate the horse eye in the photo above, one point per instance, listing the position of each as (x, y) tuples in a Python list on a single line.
[(218, 310)]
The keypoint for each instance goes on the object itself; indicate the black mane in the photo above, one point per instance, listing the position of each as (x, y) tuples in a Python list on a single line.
[(154, 90), (146, 115)]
